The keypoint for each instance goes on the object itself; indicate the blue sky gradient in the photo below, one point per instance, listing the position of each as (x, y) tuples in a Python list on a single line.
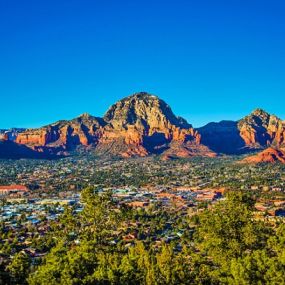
[(209, 60)]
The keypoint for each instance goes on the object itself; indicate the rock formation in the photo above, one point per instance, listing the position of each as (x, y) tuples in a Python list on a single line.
[(143, 124), (260, 129), (137, 125), (256, 131), (63, 135), (268, 155), (11, 134), (12, 150), (223, 137)]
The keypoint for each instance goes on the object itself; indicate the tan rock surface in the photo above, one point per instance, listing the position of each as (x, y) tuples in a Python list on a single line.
[(137, 125), (269, 155)]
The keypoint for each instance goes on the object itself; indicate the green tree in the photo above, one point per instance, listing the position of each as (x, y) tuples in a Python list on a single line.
[(19, 268)]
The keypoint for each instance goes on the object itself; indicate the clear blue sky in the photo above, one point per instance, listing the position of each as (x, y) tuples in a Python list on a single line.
[(210, 60)]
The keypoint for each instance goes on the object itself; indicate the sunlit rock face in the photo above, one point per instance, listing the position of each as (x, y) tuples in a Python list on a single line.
[(256, 131), (147, 125), (269, 155), (142, 124), (262, 129), (138, 125), (83, 130)]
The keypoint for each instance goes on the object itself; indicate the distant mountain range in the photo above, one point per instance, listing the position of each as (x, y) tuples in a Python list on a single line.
[(142, 125)]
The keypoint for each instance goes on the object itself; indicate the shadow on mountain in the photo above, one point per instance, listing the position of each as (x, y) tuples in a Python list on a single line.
[(12, 150), (156, 143), (223, 137)]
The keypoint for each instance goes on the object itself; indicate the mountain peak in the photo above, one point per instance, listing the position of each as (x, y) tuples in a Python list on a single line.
[(143, 124), (143, 108), (257, 117), (85, 116), (143, 95), (259, 112)]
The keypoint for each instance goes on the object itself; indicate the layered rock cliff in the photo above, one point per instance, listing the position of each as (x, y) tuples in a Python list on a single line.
[(255, 131), (11, 134), (260, 129), (63, 135), (137, 125), (144, 124)]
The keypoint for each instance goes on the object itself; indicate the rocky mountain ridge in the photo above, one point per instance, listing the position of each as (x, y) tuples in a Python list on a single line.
[(138, 125), (10, 134), (256, 131), (261, 129), (142, 125)]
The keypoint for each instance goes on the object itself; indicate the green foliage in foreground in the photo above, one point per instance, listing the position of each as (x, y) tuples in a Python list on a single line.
[(229, 246)]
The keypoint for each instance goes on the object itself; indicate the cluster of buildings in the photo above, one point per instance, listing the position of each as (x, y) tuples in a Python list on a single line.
[(25, 220), (13, 191), (165, 196), (37, 191), (272, 208)]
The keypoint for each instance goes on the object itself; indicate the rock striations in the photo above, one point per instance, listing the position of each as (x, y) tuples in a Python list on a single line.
[(261, 129), (143, 124), (256, 131), (63, 135), (138, 125)]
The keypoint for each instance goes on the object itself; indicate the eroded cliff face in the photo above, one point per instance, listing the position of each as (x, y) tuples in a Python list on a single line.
[(258, 130), (143, 124), (146, 124), (261, 129), (84, 130), (137, 125)]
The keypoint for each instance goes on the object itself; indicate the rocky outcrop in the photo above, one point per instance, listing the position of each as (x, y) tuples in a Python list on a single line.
[(138, 125), (145, 124), (11, 134), (260, 129), (63, 135), (186, 150), (269, 155), (256, 131)]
